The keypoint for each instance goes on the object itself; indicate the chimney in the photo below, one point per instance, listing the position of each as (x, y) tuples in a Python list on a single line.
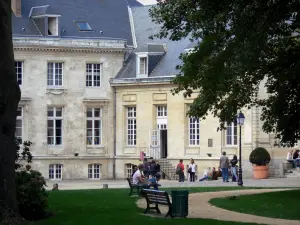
[(16, 6)]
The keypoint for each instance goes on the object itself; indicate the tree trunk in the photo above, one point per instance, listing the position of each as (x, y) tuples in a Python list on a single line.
[(9, 98)]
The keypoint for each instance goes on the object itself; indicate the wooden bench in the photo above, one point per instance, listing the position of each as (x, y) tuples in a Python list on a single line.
[(156, 198), (135, 188)]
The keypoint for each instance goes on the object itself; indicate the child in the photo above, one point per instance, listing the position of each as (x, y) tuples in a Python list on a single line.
[(153, 182)]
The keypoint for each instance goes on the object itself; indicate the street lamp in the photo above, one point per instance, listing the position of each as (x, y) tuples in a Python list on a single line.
[(240, 121)]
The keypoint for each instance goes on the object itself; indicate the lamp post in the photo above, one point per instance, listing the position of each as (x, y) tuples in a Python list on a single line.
[(240, 121)]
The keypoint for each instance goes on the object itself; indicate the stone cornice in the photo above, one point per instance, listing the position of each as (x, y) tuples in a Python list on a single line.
[(141, 81), (67, 44)]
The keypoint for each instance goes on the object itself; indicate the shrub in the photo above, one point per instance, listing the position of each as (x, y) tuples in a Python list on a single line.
[(31, 194), (30, 184), (260, 157)]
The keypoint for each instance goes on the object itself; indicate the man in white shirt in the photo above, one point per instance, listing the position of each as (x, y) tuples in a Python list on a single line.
[(138, 178)]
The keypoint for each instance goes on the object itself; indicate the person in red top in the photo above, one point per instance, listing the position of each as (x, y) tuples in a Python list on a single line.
[(181, 173)]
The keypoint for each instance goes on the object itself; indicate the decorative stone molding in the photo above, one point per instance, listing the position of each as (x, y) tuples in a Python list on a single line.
[(56, 91), (134, 81), (68, 44), (95, 100)]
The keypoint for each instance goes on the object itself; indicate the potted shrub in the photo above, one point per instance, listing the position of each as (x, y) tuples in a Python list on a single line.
[(260, 159)]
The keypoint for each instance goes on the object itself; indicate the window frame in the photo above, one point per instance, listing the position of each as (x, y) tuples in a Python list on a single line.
[(196, 123), (54, 118), (92, 75), (93, 169), (93, 119), (21, 118), (55, 168), (53, 79), (50, 20), (162, 117), (128, 170), (22, 71), (131, 137), (233, 127), (77, 22)]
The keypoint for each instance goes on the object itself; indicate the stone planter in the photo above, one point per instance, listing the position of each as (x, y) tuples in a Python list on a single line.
[(260, 172)]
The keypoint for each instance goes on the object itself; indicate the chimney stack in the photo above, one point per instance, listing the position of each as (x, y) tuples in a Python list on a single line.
[(16, 6)]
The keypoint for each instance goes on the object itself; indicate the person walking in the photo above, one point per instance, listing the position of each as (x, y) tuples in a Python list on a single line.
[(224, 165), (180, 170), (192, 170), (233, 163)]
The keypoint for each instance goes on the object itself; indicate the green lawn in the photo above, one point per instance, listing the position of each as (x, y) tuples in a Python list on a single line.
[(284, 204), (111, 207)]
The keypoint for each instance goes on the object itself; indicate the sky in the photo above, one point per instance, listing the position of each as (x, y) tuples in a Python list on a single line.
[(147, 2)]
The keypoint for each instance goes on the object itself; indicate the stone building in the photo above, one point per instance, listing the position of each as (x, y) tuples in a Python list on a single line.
[(65, 55), (96, 94), (151, 120)]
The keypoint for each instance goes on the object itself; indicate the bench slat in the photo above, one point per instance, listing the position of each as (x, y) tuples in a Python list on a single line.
[(159, 202), (154, 192), (157, 197)]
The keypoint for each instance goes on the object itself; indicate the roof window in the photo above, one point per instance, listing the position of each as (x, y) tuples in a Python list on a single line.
[(83, 26)]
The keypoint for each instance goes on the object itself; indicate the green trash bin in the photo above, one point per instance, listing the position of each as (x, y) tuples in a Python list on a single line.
[(180, 203)]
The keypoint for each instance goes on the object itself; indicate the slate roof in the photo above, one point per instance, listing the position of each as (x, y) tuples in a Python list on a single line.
[(109, 16), (158, 65)]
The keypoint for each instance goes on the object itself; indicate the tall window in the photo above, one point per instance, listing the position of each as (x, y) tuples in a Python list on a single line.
[(94, 171), (93, 126), (19, 125), (55, 74), (194, 131), (131, 125), (19, 71), (93, 75), (129, 170), (55, 171), (161, 117), (143, 65), (231, 133), (55, 118)]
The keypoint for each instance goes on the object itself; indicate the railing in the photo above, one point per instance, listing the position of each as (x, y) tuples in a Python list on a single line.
[(153, 152)]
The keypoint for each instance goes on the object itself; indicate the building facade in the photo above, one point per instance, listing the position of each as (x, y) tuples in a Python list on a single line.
[(96, 95), (64, 59), (152, 120)]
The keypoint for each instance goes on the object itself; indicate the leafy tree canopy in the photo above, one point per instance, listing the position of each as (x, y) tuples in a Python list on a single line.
[(241, 46)]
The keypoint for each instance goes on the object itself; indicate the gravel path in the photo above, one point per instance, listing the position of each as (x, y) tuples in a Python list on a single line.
[(199, 207)]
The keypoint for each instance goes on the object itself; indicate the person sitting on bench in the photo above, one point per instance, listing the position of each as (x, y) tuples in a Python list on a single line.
[(152, 182), (296, 158), (138, 178), (290, 159), (208, 176)]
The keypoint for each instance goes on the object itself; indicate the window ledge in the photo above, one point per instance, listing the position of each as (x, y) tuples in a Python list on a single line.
[(95, 146), (93, 87), (230, 146), (193, 146), (142, 75), (56, 90), (55, 146)]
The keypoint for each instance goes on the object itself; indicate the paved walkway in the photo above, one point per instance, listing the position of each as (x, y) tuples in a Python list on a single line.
[(200, 208), (88, 184)]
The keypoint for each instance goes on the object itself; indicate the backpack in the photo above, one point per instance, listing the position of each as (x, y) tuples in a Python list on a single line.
[(178, 169)]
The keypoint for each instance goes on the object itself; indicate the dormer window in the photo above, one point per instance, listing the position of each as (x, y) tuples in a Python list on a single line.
[(52, 26), (143, 65)]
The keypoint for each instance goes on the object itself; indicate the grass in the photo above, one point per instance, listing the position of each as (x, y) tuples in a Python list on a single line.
[(284, 204), (112, 207)]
